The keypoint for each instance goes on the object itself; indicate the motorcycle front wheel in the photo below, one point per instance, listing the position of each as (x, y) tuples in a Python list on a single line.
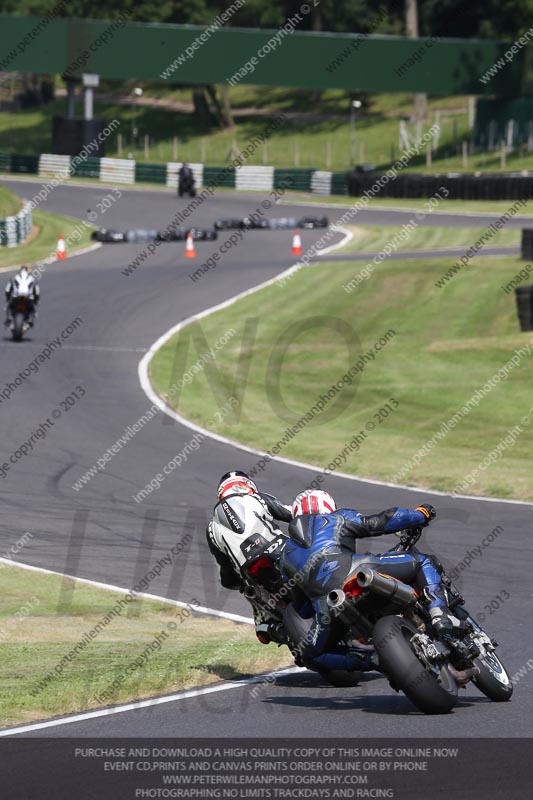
[(18, 327), (493, 679), (429, 686)]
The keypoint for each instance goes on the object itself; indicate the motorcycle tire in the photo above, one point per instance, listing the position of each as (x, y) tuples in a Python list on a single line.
[(493, 680), (18, 327), (430, 693), (296, 627)]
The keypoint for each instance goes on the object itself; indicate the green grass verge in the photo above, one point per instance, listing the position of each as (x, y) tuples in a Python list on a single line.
[(376, 237), (9, 203), (445, 206), (448, 342), (43, 617), (43, 242), (321, 143)]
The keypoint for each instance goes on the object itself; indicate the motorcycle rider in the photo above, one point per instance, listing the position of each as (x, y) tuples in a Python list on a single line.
[(242, 528), (23, 284), (185, 180), (319, 556)]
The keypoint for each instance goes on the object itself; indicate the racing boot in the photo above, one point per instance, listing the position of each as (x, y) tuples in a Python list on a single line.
[(268, 632), (430, 582), (444, 621)]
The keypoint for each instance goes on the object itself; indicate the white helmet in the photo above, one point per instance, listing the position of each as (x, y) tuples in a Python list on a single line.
[(23, 283), (313, 501), (235, 482)]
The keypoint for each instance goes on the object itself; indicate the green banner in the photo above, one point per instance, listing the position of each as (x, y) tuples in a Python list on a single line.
[(284, 57)]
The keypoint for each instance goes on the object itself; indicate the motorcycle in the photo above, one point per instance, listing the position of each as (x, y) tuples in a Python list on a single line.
[(21, 309), (186, 185), (376, 610), (267, 592), (375, 613)]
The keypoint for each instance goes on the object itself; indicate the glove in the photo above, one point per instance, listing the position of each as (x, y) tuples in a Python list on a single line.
[(428, 511)]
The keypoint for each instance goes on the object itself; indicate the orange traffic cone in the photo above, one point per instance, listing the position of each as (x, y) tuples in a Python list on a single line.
[(296, 244), (190, 252), (61, 248)]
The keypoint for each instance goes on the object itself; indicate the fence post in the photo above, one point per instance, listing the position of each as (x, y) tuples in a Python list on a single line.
[(119, 145), (465, 154), (175, 148), (471, 112), (492, 134), (146, 147), (503, 155)]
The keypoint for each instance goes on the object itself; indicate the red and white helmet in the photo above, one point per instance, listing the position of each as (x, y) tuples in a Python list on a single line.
[(313, 501), (236, 482)]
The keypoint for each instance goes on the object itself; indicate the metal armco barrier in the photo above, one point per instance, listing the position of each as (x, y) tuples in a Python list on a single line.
[(255, 178), (495, 186), (321, 182), (16, 229), (117, 170), (54, 165)]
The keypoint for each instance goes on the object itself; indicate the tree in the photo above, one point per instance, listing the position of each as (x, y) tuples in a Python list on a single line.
[(420, 100)]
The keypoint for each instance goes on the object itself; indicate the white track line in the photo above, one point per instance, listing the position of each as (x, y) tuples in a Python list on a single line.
[(212, 612), (103, 348), (156, 701), (143, 371)]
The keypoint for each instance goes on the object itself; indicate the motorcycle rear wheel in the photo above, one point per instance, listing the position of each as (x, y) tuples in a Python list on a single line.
[(18, 327), (432, 690)]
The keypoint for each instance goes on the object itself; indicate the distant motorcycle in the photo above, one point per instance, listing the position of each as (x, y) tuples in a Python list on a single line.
[(21, 314), (186, 183)]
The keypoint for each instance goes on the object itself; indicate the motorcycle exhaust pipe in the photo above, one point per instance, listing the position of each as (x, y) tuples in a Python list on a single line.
[(336, 598), (250, 592), (462, 676), (386, 587)]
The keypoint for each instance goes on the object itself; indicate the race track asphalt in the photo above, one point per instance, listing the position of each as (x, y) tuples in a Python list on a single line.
[(100, 532)]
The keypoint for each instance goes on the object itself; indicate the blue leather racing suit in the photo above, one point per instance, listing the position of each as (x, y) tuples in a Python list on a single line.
[(319, 557)]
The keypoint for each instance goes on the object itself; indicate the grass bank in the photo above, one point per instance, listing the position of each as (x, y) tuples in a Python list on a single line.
[(445, 206), (322, 140), (374, 238), (295, 341), (43, 241), (9, 203), (44, 617)]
